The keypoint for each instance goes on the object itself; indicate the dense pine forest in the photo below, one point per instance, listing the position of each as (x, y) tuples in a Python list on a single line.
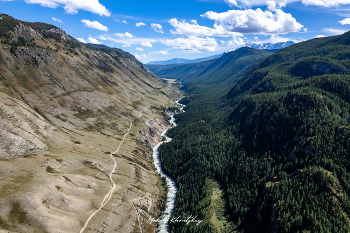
[(264, 147)]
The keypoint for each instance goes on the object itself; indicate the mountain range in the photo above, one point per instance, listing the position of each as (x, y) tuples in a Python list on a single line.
[(269, 46), (183, 61), (231, 63), (266, 46)]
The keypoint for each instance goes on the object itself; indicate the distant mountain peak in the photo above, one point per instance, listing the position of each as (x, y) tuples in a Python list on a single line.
[(269, 46)]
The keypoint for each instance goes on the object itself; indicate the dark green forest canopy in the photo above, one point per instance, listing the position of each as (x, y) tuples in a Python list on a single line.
[(277, 143)]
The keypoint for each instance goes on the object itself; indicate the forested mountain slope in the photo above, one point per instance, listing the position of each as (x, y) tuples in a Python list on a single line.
[(275, 147), (65, 107), (217, 71), (223, 72), (294, 108), (179, 71), (202, 135)]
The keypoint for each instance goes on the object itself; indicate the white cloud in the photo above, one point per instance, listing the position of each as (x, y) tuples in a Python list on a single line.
[(123, 21), (273, 39), (57, 20), (278, 39), (282, 4), (72, 6), (94, 41), (232, 2), (192, 43), (140, 57), (236, 42), (193, 29), (126, 45), (127, 40), (157, 27), (250, 3), (165, 52), (320, 36), (345, 21), (126, 34), (94, 25), (81, 40), (147, 44), (334, 31), (139, 24), (139, 49), (243, 3), (325, 3), (256, 38), (272, 21)]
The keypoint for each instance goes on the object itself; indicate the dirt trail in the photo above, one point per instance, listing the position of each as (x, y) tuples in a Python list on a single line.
[(114, 186)]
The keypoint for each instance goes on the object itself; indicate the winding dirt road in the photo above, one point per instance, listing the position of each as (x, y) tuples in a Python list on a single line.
[(114, 186)]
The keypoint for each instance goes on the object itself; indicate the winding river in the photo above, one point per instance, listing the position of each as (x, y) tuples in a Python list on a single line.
[(172, 189)]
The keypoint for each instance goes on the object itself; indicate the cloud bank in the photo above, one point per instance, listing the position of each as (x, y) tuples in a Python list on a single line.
[(269, 22), (192, 43), (72, 6)]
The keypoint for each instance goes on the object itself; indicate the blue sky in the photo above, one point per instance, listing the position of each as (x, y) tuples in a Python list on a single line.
[(165, 29)]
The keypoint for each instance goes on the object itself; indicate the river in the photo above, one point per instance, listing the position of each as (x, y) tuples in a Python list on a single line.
[(172, 189)]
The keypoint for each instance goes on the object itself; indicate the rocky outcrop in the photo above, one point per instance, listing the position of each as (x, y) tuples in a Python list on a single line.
[(63, 34), (26, 32), (22, 130), (151, 136)]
